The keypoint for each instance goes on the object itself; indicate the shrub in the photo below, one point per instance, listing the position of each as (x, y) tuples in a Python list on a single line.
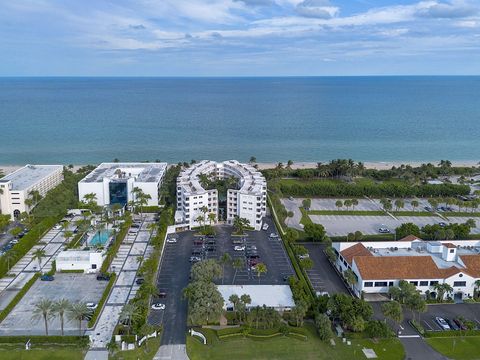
[(102, 301), (18, 297)]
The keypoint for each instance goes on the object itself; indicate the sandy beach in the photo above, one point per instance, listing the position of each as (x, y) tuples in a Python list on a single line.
[(381, 165)]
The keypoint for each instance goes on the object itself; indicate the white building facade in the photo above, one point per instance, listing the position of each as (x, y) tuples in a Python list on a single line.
[(247, 200), (17, 186), (113, 183), (380, 265), (88, 261)]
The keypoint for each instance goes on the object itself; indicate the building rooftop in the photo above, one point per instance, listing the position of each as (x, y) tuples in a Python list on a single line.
[(141, 172), (29, 175), (270, 295)]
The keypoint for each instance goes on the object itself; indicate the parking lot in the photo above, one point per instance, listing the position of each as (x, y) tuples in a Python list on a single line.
[(175, 270), (322, 275), (73, 287), (340, 225)]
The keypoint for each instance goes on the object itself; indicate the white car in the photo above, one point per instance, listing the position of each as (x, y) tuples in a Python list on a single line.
[(442, 323), (91, 305), (158, 306), (383, 229), (273, 235), (239, 248), (265, 226), (305, 256), (57, 227), (171, 240)]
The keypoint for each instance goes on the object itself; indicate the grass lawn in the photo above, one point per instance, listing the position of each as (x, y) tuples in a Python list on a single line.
[(42, 354), (347, 212), (457, 348), (140, 353), (238, 348)]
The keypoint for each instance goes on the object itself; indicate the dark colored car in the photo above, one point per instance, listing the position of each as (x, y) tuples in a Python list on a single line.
[(210, 236), (452, 324), (197, 242), (162, 293), (140, 281), (196, 252), (460, 324), (47, 278), (103, 277), (254, 256)]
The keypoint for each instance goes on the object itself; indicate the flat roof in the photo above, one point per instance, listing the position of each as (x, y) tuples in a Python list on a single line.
[(270, 295), (29, 175), (141, 172)]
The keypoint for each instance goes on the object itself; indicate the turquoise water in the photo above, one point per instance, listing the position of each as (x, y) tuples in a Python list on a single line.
[(89, 120), (100, 238)]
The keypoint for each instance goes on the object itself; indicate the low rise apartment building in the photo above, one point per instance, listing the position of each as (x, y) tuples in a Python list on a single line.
[(380, 265), (247, 200), (18, 186)]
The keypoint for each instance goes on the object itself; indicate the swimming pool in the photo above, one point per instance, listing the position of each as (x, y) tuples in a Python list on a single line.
[(100, 238)]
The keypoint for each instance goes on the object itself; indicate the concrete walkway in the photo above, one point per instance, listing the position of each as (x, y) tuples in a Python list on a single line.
[(172, 352)]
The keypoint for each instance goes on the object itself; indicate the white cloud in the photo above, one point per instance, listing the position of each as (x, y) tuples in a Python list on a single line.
[(321, 9)]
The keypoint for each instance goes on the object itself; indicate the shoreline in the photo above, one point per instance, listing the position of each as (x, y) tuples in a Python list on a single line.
[(378, 165)]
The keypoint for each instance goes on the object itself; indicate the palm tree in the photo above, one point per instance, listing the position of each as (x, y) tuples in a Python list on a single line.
[(60, 307), (211, 218), (43, 309), (151, 228), (38, 255), (339, 204), (112, 347), (245, 300), (350, 277), (199, 220), (237, 264), (354, 203), (414, 204), (225, 259), (10, 256), (128, 314), (477, 286), (79, 312), (234, 300), (204, 211), (441, 289), (261, 269)]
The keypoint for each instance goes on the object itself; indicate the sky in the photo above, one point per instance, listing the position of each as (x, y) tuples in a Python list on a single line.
[(239, 37)]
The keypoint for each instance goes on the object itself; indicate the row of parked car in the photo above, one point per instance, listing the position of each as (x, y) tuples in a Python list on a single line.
[(450, 324), (201, 246)]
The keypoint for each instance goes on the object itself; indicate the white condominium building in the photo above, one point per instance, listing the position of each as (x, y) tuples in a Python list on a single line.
[(17, 186), (379, 265), (247, 200), (113, 183)]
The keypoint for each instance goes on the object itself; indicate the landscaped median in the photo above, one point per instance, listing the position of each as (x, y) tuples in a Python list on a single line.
[(112, 252), (456, 346), (301, 343), (18, 297), (106, 294)]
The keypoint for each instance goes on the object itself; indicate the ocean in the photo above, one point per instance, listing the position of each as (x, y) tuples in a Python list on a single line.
[(90, 120)]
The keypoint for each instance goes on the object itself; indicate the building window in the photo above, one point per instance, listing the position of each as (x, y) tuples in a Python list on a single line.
[(459, 283), (452, 251), (433, 283), (380, 283), (414, 283), (368, 284), (390, 283), (423, 283)]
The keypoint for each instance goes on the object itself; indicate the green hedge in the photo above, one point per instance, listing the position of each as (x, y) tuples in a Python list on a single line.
[(102, 301), (72, 271), (18, 297), (116, 245), (28, 241), (229, 331), (451, 333), (81, 341)]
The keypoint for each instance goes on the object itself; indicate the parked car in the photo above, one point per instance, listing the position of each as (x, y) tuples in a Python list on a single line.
[(158, 306), (442, 323), (237, 241), (197, 242), (273, 235), (239, 248), (428, 208), (460, 324), (452, 324), (442, 224), (47, 278), (194, 259), (265, 227), (57, 227), (162, 293), (171, 240), (253, 256), (304, 256), (291, 198), (211, 236), (103, 277), (91, 305), (140, 281), (383, 230), (196, 252), (251, 248)]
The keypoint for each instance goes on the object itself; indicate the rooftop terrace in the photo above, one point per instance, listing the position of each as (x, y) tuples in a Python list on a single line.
[(141, 172)]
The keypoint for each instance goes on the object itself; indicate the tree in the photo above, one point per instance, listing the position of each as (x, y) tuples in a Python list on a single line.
[(339, 204), (354, 203), (306, 203), (16, 231), (477, 286), (315, 232), (402, 292), (350, 277), (211, 218), (441, 289), (433, 203), (234, 300), (253, 159), (350, 236), (60, 308), (291, 235), (377, 329), (225, 259), (407, 229), (261, 268), (38, 255), (67, 235), (393, 311), (399, 204), (331, 254), (205, 302), (129, 313), (416, 304), (358, 235), (206, 270), (10, 257), (245, 300), (240, 224), (306, 263), (347, 204), (43, 309), (324, 327), (199, 219), (289, 164), (79, 311), (387, 206), (414, 204), (112, 347), (298, 313), (237, 264)]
